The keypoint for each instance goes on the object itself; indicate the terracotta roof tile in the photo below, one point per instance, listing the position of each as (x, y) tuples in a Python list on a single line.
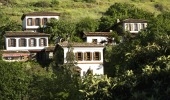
[(23, 33), (40, 14), (97, 33), (75, 44)]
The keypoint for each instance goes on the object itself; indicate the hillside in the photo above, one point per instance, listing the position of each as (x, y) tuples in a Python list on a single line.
[(75, 10)]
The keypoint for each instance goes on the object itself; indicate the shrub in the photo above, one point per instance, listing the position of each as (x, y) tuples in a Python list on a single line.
[(41, 4), (7, 2), (54, 3), (159, 7)]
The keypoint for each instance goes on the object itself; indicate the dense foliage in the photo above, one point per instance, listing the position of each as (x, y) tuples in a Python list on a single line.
[(121, 11), (7, 25), (136, 69)]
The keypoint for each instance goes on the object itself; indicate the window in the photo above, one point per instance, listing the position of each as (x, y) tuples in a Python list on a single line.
[(96, 56), (127, 27), (29, 22), (135, 27), (142, 26), (44, 21), (130, 27), (12, 42), (87, 56), (37, 21), (79, 56), (22, 42), (94, 41), (32, 42), (42, 42)]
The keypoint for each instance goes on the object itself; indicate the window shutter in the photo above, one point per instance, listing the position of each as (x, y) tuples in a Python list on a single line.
[(35, 42), (33, 21), (19, 42), (94, 56), (25, 42), (90, 56), (42, 22), (14, 42), (40, 42), (45, 42), (81, 56), (131, 27), (85, 56), (99, 55), (76, 55), (30, 42), (9, 42)]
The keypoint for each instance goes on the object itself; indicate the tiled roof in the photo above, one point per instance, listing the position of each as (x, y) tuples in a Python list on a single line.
[(134, 21), (23, 34), (40, 14), (98, 33), (75, 44)]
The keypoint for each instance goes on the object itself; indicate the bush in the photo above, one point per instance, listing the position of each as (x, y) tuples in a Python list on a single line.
[(42, 4), (54, 3), (7, 2), (159, 7)]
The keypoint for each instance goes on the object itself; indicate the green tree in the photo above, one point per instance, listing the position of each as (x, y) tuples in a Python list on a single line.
[(8, 25), (14, 81), (86, 25), (96, 88), (64, 29), (121, 11)]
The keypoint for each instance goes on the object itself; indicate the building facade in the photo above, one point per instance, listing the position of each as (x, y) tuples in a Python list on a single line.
[(34, 20), (24, 40), (99, 37), (134, 25), (87, 56)]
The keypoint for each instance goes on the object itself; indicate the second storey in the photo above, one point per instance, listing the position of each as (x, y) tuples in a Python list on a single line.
[(33, 21), (23, 40)]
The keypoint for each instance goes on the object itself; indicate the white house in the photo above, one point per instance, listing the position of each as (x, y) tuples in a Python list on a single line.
[(99, 37), (87, 55), (134, 25), (24, 40), (34, 20)]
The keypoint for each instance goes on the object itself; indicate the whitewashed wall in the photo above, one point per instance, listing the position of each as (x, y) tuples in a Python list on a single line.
[(99, 38), (96, 66), (37, 47), (24, 23), (132, 24)]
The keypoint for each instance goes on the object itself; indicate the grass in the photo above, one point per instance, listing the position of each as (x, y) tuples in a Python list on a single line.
[(77, 10)]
